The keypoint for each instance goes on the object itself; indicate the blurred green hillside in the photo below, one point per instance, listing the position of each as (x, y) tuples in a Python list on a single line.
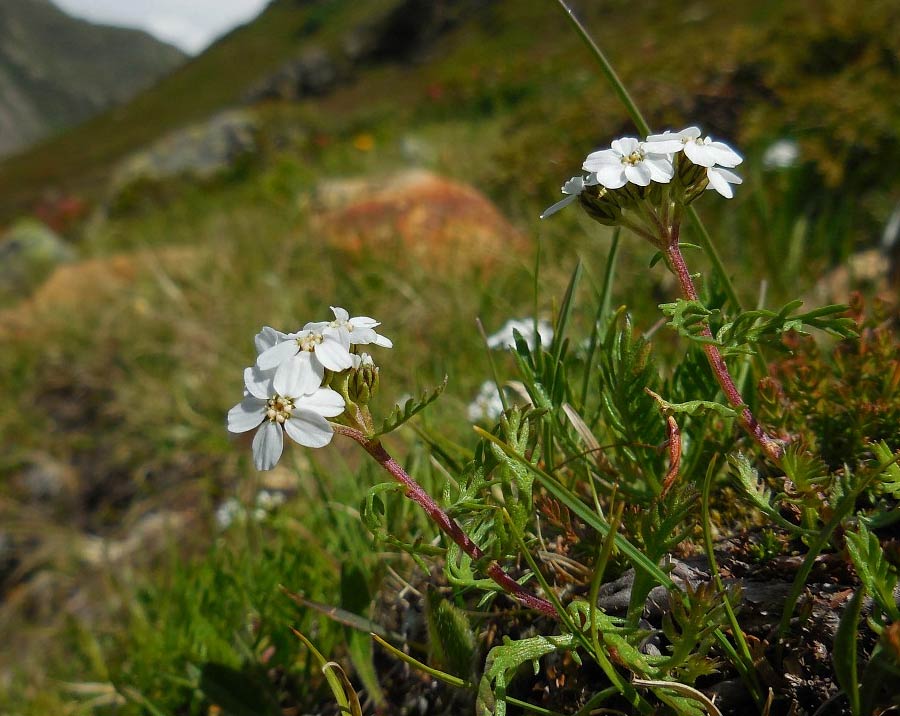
[(119, 368)]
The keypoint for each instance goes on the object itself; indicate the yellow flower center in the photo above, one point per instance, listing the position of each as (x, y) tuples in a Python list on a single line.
[(634, 158), (278, 409), (310, 341)]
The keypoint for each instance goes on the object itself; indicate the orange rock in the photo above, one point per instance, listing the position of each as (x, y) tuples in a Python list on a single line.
[(86, 284), (419, 218)]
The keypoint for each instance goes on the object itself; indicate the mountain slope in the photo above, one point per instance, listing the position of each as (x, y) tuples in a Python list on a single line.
[(56, 71)]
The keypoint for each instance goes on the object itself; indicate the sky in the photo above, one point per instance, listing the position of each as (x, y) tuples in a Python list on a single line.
[(189, 24)]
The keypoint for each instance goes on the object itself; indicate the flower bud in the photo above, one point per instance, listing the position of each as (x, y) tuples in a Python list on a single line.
[(601, 205), (362, 382)]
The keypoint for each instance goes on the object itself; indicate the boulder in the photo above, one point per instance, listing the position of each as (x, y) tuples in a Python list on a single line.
[(313, 73), (93, 283), (29, 252), (197, 153), (422, 220)]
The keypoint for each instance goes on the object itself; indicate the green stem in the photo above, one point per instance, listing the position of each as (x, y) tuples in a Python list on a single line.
[(608, 71), (603, 310), (745, 663)]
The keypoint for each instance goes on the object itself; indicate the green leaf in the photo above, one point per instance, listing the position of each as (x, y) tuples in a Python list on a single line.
[(591, 518), (504, 661), (695, 407), (356, 598), (875, 572), (757, 492), (844, 657), (689, 318), (890, 478), (411, 407), (340, 686)]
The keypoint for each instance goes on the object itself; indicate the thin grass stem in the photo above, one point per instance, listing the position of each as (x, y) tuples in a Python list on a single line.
[(745, 661), (631, 107)]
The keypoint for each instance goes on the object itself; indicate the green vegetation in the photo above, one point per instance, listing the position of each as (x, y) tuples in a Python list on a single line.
[(160, 579)]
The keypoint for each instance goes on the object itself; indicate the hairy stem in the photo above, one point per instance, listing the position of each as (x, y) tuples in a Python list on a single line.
[(448, 525), (772, 447)]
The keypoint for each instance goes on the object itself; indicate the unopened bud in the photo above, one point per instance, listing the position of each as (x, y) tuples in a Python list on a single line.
[(601, 205), (363, 380)]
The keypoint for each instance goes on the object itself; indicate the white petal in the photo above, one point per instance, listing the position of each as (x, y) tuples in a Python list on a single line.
[(561, 204), (299, 375), (339, 313), (280, 352), (638, 174), (383, 341), (309, 429), (363, 322), (719, 180), (246, 415), (612, 177), (670, 144), (625, 146), (333, 354), (324, 401), (361, 336), (730, 177), (258, 382), (603, 158), (268, 444), (575, 185), (316, 326), (723, 154), (267, 338), (661, 169), (699, 154)]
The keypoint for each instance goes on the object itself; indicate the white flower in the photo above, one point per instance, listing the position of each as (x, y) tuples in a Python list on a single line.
[(572, 188), (504, 338), (357, 331), (228, 512), (267, 338), (781, 154), (628, 161), (721, 180), (276, 403), (701, 151), (301, 358), (487, 404)]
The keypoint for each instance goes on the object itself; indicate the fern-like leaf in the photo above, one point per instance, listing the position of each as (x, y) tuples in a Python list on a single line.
[(875, 572), (402, 413)]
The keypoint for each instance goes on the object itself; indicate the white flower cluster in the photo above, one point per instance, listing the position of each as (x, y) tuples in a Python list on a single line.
[(505, 337), (631, 161), (284, 391)]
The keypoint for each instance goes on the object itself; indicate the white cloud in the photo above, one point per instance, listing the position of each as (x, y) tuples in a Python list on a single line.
[(191, 25)]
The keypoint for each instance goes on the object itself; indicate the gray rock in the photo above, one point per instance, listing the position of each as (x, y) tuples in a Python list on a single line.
[(313, 73), (199, 152)]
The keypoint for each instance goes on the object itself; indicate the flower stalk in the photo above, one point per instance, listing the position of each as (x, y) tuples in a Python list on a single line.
[(773, 448), (447, 524)]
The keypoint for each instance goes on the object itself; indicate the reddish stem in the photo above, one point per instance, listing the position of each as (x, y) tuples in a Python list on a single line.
[(450, 527), (772, 447)]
